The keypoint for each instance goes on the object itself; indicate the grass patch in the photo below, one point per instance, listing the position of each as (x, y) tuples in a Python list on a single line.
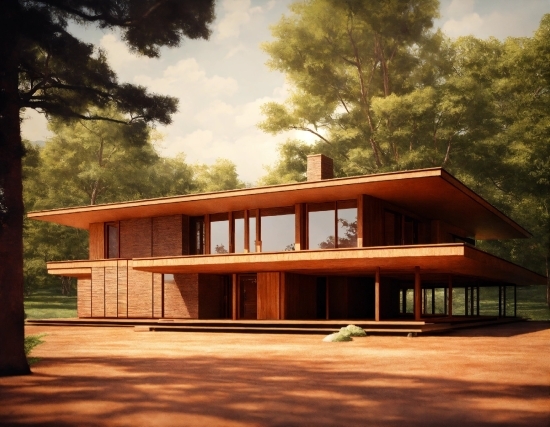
[(46, 304), (31, 341)]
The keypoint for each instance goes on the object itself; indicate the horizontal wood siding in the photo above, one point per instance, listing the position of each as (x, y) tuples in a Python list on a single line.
[(140, 294), (98, 292), (268, 295), (122, 295), (97, 241), (136, 238), (84, 297), (157, 295), (167, 235), (300, 296), (181, 299), (111, 291), (213, 296)]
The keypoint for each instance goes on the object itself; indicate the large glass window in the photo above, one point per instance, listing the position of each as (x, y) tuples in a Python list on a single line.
[(277, 229), (219, 233), (252, 229), (111, 234), (238, 221), (332, 225), (196, 235)]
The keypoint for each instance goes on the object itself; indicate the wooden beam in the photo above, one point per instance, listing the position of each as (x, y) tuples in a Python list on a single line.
[(258, 231), (360, 219), (377, 295), (300, 239), (417, 294)]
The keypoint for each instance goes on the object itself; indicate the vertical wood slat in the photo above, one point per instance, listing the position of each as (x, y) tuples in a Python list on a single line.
[(360, 220), (300, 227), (450, 300), (373, 221), (98, 292), (231, 228), (207, 234), (84, 297), (282, 296), (417, 294), (167, 235), (268, 295), (97, 241), (111, 291), (158, 296), (122, 285)]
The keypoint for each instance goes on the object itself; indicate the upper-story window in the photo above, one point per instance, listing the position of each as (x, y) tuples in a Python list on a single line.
[(219, 234), (332, 225), (399, 229), (197, 235), (112, 240), (277, 231)]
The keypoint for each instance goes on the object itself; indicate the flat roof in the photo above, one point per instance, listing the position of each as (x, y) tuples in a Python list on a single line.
[(430, 193)]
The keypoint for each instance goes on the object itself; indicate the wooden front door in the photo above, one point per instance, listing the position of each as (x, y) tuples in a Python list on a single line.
[(248, 293)]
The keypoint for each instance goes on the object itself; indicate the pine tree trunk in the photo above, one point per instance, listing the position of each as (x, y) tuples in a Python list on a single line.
[(12, 356)]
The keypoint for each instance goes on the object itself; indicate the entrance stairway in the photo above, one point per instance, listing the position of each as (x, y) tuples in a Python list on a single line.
[(319, 327)]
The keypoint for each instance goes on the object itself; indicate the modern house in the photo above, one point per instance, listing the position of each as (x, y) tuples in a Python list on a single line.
[(377, 247)]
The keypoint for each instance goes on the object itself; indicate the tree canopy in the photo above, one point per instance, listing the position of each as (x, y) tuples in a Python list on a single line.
[(46, 68)]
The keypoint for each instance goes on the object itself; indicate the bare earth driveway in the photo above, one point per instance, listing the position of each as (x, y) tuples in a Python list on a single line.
[(105, 376)]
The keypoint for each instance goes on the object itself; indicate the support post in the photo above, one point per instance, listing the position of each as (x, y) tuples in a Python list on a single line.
[(234, 297), (377, 295), (477, 300), (499, 301), (515, 301), (246, 232), (417, 294), (450, 301), (258, 231), (433, 300), (504, 300)]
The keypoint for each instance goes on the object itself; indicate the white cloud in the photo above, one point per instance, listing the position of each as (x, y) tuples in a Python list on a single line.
[(34, 126), (186, 77), (468, 24), (237, 13), (216, 112), (118, 54), (460, 8), (234, 50)]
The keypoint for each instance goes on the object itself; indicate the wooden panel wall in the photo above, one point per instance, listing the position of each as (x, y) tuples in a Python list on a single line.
[(136, 238), (167, 235), (300, 296), (389, 298), (181, 300), (98, 292), (373, 221), (360, 298), (111, 291), (268, 295), (441, 232), (122, 288), (84, 297), (214, 299), (97, 241), (140, 294), (158, 296)]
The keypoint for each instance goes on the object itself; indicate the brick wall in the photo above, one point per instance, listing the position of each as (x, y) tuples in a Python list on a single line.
[(111, 291), (122, 291), (181, 299), (136, 238), (167, 235), (98, 292), (319, 167), (140, 294), (84, 298)]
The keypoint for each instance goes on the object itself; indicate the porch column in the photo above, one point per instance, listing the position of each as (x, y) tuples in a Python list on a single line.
[(246, 232), (234, 296), (377, 295), (450, 300), (417, 294)]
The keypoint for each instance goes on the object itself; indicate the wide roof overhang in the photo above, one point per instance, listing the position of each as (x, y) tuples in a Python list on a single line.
[(441, 259), (430, 193)]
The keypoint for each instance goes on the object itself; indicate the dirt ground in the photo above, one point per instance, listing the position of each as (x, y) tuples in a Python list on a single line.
[(102, 376)]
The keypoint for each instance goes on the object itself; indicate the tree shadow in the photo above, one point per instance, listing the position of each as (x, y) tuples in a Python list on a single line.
[(271, 392)]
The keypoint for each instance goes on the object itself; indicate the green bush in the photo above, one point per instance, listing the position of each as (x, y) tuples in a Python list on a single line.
[(337, 337), (31, 341), (353, 331)]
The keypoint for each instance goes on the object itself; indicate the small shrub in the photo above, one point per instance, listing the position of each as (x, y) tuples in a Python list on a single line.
[(337, 337), (31, 341), (353, 331)]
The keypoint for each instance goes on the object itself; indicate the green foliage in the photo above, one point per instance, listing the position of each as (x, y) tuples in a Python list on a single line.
[(31, 341), (353, 331), (338, 337), (49, 304), (222, 175), (381, 91)]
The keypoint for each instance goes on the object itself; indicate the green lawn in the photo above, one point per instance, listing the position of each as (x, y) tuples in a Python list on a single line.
[(48, 305)]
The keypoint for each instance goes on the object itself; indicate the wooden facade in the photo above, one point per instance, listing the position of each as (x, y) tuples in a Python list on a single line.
[(404, 249)]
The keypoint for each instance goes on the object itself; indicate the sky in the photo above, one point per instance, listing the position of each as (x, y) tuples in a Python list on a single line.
[(222, 83)]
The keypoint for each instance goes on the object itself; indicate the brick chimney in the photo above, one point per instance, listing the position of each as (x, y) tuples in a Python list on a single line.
[(319, 167)]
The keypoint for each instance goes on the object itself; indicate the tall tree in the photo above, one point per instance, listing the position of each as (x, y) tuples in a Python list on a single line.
[(44, 67)]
